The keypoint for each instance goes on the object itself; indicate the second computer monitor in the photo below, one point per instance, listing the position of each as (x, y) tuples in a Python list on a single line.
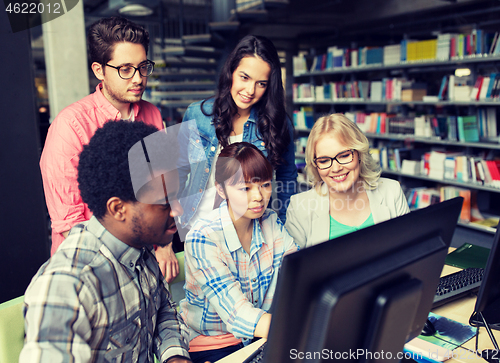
[(488, 298)]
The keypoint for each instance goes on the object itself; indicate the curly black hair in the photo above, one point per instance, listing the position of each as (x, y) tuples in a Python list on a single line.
[(103, 169)]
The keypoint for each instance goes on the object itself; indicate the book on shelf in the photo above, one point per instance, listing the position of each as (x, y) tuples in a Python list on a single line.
[(487, 122), (451, 87), (442, 94), (492, 173), (468, 128), (449, 192), (483, 90), (299, 65), (410, 167), (423, 126), (434, 163), (409, 95), (374, 55), (444, 47), (491, 83), (303, 92), (376, 91), (303, 119), (462, 92), (462, 168), (375, 153), (475, 92), (397, 124), (422, 197), (319, 92), (300, 145), (413, 91), (495, 89), (452, 128), (439, 126), (490, 222), (392, 54)]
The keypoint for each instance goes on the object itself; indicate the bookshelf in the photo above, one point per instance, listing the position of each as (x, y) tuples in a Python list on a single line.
[(341, 80)]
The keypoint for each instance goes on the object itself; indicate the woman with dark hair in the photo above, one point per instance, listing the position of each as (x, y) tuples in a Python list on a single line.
[(248, 106), (232, 258)]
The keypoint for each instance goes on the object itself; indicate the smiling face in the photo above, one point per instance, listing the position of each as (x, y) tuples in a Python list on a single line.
[(339, 178), (250, 81), (247, 200), (121, 92)]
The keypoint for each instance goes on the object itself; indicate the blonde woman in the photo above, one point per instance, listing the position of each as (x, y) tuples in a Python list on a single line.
[(348, 193)]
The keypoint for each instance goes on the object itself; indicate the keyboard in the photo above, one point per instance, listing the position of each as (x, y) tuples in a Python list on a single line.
[(257, 356), (458, 284)]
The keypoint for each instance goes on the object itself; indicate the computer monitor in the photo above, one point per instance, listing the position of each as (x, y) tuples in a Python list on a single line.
[(369, 291), (488, 298)]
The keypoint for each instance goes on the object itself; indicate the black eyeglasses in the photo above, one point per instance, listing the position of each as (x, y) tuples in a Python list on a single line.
[(325, 162), (126, 72)]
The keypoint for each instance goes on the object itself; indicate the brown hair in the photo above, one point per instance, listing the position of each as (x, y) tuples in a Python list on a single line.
[(254, 165), (105, 33)]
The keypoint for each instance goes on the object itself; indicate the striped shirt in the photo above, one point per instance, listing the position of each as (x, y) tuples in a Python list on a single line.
[(98, 299), (227, 289)]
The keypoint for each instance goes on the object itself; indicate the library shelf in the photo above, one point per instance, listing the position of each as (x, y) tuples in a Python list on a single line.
[(481, 65)]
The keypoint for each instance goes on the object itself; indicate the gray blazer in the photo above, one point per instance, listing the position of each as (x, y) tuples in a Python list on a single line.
[(308, 215)]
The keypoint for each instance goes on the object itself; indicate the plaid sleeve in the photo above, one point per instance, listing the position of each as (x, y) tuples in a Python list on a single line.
[(172, 331), (67, 340), (227, 304)]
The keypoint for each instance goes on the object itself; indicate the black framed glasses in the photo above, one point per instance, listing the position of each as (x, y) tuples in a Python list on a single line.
[(126, 72), (325, 162)]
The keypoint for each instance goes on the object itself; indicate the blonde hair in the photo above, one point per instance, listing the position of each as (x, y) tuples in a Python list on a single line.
[(348, 132)]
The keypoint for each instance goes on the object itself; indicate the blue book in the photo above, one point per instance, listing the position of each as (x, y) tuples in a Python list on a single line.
[(444, 83), (404, 42), (490, 85), (479, 41)]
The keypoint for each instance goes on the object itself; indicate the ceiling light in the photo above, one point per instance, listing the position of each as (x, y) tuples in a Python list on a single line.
[(462, 72), (135, 10)]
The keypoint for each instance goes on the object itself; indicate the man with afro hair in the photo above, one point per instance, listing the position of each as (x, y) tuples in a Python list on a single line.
[(101, 297)]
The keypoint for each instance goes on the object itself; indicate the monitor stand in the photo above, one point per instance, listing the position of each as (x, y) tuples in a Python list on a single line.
[(491, 315), (387, 324)]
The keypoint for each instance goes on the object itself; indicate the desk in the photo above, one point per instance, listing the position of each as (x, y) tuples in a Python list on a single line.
[(458, 310)]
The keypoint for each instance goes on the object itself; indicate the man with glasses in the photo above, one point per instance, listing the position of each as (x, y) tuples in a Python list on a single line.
[(118, 55)]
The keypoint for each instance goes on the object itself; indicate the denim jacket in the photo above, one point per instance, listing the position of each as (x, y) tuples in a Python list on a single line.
[(201, 148)]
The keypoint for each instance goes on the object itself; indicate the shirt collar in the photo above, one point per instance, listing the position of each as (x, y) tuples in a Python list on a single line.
[(125, 254)]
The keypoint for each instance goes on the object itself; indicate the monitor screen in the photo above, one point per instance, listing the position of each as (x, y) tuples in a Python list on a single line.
[(488, 298), (367, 291)]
